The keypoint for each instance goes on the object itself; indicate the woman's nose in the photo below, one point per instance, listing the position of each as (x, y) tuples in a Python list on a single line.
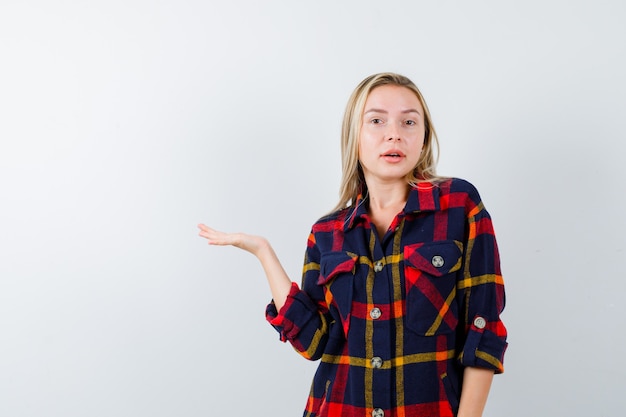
[(393, 135)]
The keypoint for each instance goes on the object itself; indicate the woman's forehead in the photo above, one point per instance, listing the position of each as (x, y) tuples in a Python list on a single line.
[(391, 98)]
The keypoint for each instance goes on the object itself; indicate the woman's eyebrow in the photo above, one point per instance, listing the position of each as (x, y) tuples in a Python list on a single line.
[(375, 111)]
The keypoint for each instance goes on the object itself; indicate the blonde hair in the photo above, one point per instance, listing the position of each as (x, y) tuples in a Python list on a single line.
[(352, 181)]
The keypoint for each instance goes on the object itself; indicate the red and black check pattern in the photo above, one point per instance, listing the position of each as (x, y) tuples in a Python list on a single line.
[(396, 318)]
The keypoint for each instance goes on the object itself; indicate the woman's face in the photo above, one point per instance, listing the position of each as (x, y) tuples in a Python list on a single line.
[(392, 133)]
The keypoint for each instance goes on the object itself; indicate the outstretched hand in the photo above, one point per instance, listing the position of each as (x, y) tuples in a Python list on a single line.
[(249, 243), (280, 284)]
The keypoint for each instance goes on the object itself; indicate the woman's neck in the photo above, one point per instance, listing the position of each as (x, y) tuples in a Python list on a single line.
[(385, 201), (383, 196)]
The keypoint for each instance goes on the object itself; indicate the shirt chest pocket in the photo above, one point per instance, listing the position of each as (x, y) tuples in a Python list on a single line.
[(337, 276), (430, 271)]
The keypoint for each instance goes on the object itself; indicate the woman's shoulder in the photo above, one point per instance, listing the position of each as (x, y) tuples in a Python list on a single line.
[(452, 191), (333, 220), (461, 193), (451, 185)]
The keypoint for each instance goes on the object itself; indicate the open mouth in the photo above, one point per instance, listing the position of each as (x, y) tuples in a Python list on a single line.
[(393, 154)]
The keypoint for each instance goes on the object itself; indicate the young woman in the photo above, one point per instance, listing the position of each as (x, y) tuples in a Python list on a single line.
[(401, 292)]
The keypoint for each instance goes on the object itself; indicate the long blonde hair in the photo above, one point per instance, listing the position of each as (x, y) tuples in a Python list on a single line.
[(352, 181)]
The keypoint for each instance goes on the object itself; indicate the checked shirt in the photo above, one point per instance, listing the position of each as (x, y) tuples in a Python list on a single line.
[(396, 318)]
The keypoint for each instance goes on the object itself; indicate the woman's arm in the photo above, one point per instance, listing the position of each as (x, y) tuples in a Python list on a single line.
[(476, 385), (279, 282)]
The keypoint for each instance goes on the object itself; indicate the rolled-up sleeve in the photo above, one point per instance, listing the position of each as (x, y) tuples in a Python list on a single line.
[(303, 319), (482, 289)]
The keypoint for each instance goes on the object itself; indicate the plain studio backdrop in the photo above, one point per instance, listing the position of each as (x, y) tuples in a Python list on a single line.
[(125, 123)]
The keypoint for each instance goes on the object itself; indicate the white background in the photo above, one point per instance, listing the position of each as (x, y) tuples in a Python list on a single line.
[(124, 123)]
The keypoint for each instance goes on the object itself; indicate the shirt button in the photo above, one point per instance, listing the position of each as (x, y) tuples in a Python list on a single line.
[(480, 322), (377, 362), (375, 313), (378, 412), (378, 266), (437, 261)]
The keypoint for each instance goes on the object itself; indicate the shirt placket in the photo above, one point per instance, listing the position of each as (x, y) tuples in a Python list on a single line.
[(379, 329)]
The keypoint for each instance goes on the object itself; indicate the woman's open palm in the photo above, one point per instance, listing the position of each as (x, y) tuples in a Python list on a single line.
[(243, 241)]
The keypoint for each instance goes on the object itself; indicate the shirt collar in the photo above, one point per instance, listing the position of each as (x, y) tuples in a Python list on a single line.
[(423, 197), (357, 212)]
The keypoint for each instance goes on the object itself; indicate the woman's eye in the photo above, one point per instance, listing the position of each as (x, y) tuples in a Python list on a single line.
[(411, 122), (376, 121)]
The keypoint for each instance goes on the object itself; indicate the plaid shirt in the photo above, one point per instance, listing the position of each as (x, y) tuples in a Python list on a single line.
[(395, 319)]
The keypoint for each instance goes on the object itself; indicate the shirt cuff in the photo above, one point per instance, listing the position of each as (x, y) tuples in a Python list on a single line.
[(485, 345), (297, 310)]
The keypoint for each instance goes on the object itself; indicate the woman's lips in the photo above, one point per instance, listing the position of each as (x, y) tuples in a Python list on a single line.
[(393, 156)]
